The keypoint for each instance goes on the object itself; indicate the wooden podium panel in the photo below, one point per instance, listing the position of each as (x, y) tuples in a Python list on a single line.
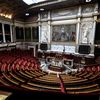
[(56, 68)]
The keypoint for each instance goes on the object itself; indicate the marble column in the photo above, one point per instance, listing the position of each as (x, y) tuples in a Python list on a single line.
[(11, 33), (3, 30)]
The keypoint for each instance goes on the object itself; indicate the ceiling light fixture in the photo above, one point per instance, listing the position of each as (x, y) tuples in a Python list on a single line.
[(27, 14), (41, 9), (32, 1)]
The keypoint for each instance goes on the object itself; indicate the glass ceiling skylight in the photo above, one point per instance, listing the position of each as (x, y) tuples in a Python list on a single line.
[(32, 1)]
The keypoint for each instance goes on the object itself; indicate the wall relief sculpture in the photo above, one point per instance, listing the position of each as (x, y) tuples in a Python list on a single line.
[(86, 31), (64, 33), (44, 15), (64, 12), (87, 8), (44, 33)]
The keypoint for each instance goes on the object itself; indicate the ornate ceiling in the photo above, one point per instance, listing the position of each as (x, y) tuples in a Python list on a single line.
[(14, 7), (18, 8)]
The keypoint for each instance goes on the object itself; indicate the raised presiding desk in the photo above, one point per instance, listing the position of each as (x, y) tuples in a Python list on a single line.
[(62, 62), (77, 58), (56, 65)]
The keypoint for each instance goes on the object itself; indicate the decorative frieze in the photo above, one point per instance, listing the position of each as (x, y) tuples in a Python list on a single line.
[(64, 12)]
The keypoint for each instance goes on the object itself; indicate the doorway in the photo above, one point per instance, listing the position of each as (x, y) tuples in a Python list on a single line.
[(97, 39), (97, 33), (32, 50)]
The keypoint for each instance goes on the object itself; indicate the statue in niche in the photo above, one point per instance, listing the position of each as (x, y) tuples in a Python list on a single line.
[(44, 35), (85, 36), (65, 36), (62, 34), (73, 36), (86, 31)]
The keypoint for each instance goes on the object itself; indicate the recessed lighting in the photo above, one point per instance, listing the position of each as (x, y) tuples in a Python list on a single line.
[(27, 14), (42, 9)]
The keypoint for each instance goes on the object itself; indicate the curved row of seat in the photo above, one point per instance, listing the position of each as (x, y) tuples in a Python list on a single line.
[(23, 72)]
